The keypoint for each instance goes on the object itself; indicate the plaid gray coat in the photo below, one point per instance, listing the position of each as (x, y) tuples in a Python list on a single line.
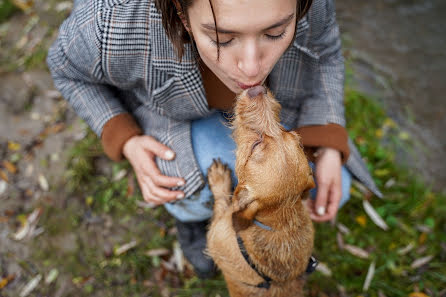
[(113, 56)]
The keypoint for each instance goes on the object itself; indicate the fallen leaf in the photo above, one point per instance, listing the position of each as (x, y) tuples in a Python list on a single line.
[(389, 183), (29, 224), (323, 268), (51, 277), (424, 228), (30, 286), (344, 229), (422, 238), (374, 216), (53, 94), (340, 241), (406, 249), (369, 277), (417, 294), (145, 205), (3, 187), (356, 251), (56, 128), (421, 261), (157, 252), (361, 220), (381, 172), (125, 247), (120, 175), (43, 182), (178, 256), (67, 5), (6, 280), (4, 176), (13, 146), (10, 167), (404, 135)]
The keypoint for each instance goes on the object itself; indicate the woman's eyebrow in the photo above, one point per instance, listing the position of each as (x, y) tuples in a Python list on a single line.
[(211, 26)]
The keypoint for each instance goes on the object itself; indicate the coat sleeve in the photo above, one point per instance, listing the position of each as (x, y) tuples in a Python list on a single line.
[(75, 59), (326, 104)]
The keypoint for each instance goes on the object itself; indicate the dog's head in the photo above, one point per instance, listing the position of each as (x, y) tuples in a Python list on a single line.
[(270, 163)]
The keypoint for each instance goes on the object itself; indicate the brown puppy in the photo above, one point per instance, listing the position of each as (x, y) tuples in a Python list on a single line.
[(273, 178)]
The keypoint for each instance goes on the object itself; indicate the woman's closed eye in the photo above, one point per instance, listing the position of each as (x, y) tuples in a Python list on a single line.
[(268, 36)]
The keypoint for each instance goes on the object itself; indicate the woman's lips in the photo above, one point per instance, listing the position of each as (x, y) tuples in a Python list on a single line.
[(244, 87)]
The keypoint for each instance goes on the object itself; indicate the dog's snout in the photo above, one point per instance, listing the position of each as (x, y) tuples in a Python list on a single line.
[(256, 91)]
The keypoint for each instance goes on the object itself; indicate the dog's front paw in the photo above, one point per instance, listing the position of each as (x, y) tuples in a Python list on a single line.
[(219, 178)]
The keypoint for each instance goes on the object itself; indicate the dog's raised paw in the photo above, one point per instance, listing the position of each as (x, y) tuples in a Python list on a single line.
[(219, 178)]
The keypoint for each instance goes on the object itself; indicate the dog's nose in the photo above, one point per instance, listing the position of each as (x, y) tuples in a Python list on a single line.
[(256, 91)]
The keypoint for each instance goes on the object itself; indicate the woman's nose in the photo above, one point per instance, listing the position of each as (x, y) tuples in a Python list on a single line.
[(249, 61)]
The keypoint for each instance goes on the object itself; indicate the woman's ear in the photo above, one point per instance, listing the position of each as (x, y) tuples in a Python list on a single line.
[(182, 16), (243, 204)]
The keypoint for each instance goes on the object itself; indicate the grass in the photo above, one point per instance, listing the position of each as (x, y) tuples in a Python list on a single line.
[(415, 215)]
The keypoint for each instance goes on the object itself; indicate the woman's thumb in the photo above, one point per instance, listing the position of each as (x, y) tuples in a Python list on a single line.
[(159, 149)]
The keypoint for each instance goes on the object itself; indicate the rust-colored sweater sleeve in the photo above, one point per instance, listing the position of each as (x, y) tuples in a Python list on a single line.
[(330, 135), (116, 132)]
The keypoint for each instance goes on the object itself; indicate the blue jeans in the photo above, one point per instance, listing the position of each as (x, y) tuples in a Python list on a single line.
[(211, 139)]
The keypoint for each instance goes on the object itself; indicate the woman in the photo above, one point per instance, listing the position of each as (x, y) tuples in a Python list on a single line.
[(152, 80)]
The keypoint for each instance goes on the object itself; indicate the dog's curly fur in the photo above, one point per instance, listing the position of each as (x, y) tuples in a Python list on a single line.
[(274, 177)]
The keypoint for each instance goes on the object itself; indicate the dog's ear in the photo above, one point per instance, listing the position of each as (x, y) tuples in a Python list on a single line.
[(244, 205), (310, 185)]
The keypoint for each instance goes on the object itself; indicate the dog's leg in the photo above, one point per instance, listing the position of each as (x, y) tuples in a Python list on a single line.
[(219, 178)]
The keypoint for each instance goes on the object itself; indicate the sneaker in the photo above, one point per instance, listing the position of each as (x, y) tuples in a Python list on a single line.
[(192, 239)]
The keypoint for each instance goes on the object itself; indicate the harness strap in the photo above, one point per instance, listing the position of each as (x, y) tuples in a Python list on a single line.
[(267, 280), (266, 284)]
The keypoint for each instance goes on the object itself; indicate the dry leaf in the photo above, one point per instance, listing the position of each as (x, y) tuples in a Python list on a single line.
[(389, 183), (406, 249), (52, 275), (4, 176), (67, 5), (120, 175), (356, 251), (56, 128), (29, 225), (6, 280), (422, 238), (323, 268), (146, 205), (343, 228), (13, 146), (374, 216), (157, 252), (125, 247), (340, 240), (3, 187), (421, 261), (31, 285), (417, 294), (369, 277), (178, 256), (361, 220), (43, 183), (10, 167)]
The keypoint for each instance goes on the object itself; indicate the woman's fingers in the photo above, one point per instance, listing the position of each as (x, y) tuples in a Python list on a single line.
[(151, 169), (160, 150)]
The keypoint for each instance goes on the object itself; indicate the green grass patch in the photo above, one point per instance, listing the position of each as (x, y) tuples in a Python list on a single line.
[(415, 216), (7, 9)]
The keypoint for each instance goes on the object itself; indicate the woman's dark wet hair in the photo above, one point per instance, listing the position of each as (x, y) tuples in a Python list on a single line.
[(173, 12)]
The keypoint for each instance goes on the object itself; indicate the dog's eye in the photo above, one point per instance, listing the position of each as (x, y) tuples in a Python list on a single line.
[(259, 141)]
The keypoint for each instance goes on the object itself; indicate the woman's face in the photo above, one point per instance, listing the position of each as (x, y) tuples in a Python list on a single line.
[(253, 34)]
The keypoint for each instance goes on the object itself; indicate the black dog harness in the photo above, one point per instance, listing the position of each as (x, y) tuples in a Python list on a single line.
[(266, 284)]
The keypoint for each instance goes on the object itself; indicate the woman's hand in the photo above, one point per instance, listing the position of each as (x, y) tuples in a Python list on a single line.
[(141, 152), (329, 187)]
